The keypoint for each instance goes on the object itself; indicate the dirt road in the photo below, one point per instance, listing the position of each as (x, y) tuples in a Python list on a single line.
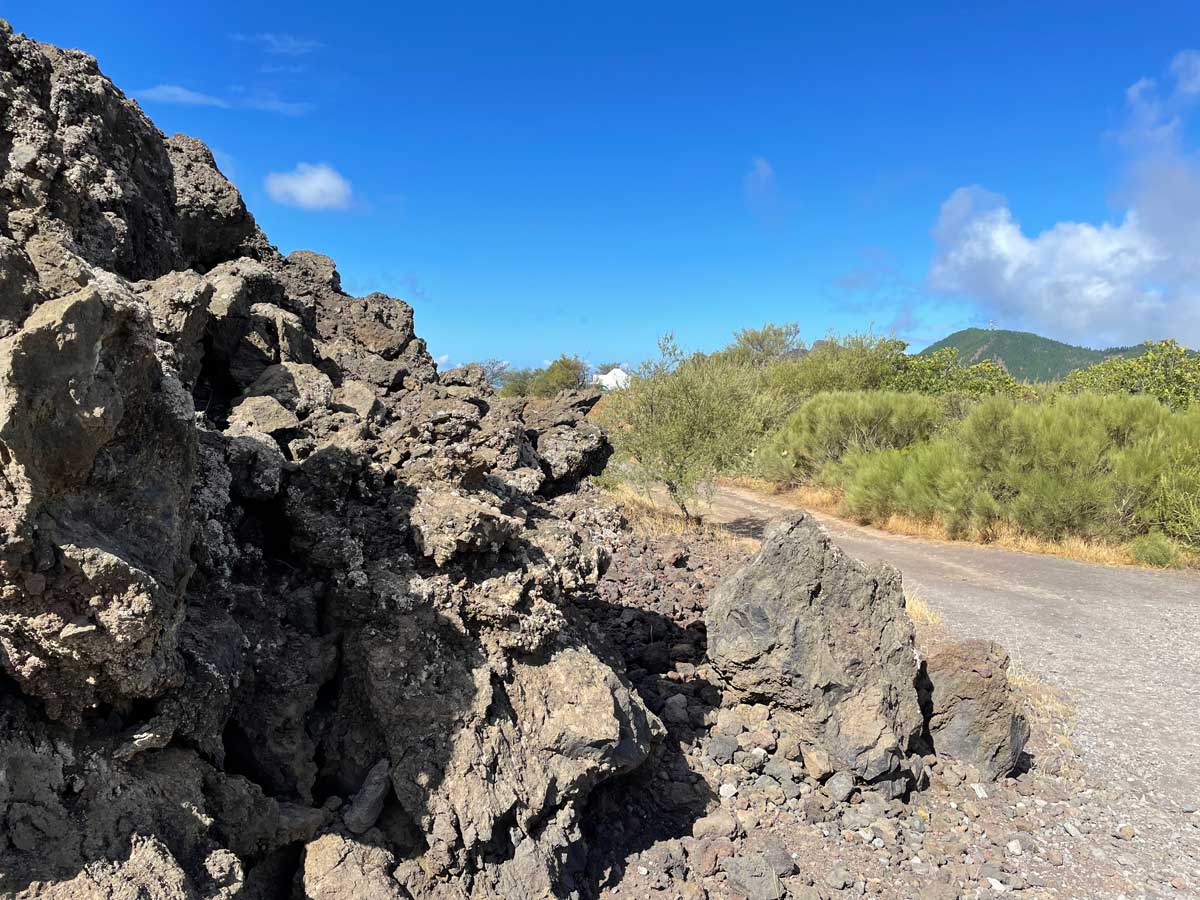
[(1124, 642)]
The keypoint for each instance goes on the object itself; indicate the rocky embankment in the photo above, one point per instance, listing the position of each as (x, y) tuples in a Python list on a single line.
[(285, 612)]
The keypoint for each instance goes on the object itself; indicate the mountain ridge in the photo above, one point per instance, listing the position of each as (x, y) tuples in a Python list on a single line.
[(1024, 354)]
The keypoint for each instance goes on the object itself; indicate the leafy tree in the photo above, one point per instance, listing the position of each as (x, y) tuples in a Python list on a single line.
[(516, 382), (770, 342), (941, 372), (1166, 371), (564, 374), (855, 362), (683, 419)]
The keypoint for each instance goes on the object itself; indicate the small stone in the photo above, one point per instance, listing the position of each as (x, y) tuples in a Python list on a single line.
[(721, 748), (754, 877), (840, 786), (1126, 832), (718, 824), (1013, 848), (368, 802), (839, 879), (727, 790)]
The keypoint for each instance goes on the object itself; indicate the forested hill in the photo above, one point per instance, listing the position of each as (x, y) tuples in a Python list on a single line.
[(1026, 356)]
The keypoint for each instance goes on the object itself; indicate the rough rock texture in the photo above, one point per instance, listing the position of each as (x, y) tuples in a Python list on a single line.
[(282, 610), (806, 628), (973, 716)]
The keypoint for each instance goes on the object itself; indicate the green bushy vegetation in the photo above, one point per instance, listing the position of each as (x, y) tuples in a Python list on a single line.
[(1111, 455), (1099, 467), (686, 418), (1154, 549), (564, 374), (827, 427), (1165, 370)]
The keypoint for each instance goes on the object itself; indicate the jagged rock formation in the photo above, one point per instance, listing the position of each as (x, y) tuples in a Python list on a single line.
[(825, 637), (825, 640), (281, 607)]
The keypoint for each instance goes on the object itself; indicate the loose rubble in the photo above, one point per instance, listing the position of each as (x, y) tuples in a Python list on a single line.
[(701, 822)]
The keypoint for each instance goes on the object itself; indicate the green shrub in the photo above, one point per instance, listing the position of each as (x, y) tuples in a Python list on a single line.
[(856, 362), (1154, 549), (515, 382), (564, 374), (684, 419), (1103, 467), (828, 426), (759, 346), (941, 372), (1165, 371)]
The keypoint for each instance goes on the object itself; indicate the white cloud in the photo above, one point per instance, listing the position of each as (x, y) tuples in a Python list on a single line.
[(174, 93), (1105, 283), (310, 186), (280, 43)]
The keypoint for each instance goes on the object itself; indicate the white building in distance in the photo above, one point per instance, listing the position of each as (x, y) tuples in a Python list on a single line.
[(612, 380)]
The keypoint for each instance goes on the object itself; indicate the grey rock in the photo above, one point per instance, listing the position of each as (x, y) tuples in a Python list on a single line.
[(975, 718), (840, 787), (368, 802), (825, 638), (721, 748), (754, 877)]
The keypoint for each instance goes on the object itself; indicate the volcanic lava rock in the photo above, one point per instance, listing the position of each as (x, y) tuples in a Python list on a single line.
[(264, 574), (973, 715), (820, 635)]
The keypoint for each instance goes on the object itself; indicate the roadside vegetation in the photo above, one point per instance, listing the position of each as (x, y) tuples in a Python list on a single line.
[(1106, 462)]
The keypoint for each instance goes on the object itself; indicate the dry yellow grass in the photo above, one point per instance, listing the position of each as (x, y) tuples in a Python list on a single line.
[(924, 616), (1042, 700), (650, 518), (824, 500)]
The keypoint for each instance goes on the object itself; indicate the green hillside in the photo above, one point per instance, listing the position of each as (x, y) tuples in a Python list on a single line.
[(1026, 356)]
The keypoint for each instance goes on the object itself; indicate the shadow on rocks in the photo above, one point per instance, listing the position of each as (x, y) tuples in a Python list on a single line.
[(656, 804)]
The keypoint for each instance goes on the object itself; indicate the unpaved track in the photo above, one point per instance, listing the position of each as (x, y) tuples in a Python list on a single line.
[(1123, 642)]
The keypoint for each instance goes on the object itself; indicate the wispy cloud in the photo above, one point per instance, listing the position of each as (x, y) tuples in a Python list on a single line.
[(174, 93), (181, 96), (310, 186), (279, 43), (1101, 283), (276, 105), (761, 190), (283, 68)]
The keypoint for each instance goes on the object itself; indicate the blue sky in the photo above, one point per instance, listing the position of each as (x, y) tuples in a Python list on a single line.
[(538, 178)]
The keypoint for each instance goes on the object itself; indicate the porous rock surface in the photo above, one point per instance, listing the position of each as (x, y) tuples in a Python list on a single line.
[(826, 638), (281, 607)]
